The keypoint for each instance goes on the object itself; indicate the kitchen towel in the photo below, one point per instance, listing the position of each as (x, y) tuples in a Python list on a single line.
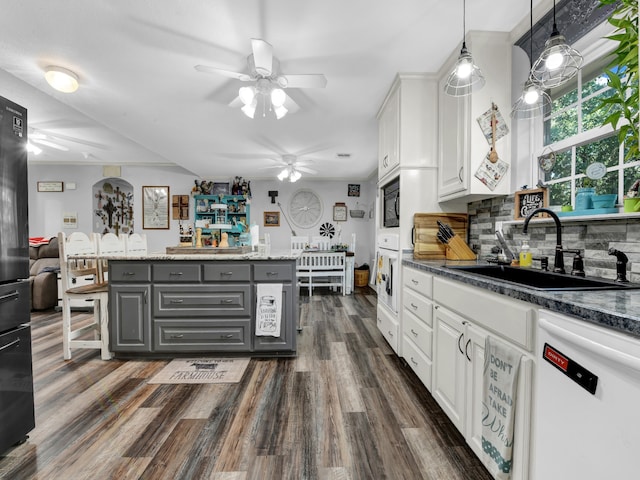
[(500, 381), (268, 309)]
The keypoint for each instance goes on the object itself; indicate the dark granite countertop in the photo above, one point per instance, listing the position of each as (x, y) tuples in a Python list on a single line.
[(617, 309)]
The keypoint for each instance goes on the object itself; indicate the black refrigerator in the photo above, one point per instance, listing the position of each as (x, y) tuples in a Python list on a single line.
[(16, 373)]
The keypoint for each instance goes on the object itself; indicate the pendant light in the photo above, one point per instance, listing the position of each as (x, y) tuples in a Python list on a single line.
[(558, 62), (466, 77), (534, 99)]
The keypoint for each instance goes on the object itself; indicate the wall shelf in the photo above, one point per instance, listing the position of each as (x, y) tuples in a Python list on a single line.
[(576, 219)]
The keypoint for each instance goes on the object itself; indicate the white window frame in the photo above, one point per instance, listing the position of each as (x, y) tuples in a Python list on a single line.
[(593, 47)]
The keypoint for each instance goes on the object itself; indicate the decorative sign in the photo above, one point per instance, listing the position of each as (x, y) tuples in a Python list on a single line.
[(50, 186), (528, 200), (596, 170), (353, 190)]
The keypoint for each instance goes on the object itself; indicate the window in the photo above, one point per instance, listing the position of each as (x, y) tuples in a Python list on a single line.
[(572, 128)]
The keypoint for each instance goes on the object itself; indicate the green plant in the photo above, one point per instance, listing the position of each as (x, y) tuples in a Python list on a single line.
[(623, 74)]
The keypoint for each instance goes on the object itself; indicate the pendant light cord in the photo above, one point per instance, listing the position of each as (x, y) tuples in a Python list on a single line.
[(531, 37), (464, 23)]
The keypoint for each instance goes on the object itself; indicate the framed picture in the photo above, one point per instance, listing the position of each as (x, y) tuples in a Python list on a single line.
[(271, 219), (528, 200), (353, 190), (50, 186), (220, 188), (340, 212), (155, 208)]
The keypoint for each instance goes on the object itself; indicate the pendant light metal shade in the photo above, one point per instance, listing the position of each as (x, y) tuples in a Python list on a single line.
[(466, 76), (558, 62), (533, 101)]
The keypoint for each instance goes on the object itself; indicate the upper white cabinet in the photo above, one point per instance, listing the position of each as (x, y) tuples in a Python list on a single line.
[(407, 123), (462, 144)]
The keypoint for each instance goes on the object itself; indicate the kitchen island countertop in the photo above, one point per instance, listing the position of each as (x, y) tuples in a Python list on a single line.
[(155, 256), (617, 309)]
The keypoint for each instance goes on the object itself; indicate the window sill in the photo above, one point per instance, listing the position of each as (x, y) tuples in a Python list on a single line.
[(577, 219)]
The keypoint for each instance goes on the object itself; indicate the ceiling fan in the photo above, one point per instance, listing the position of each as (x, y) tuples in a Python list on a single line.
[(38, 137), (290, 168), (268, 82)]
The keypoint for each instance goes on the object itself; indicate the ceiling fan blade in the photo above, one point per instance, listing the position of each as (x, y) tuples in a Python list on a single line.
[(41, 141), (291, 105), (236, 103), (262, 56), (226, 73), (312, 80), (305, 169)]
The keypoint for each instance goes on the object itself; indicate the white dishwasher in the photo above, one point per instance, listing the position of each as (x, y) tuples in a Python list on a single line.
[(587, 401)]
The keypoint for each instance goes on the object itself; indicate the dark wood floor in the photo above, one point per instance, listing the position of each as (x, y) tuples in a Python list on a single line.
[(345, 408)]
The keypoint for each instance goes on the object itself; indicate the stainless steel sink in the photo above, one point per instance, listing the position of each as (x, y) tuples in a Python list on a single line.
[(540, 280)]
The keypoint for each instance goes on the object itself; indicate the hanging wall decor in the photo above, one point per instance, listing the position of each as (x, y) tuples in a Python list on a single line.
[(113, 206)]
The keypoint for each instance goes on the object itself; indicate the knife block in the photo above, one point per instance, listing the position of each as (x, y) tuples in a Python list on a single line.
[(457, 249)]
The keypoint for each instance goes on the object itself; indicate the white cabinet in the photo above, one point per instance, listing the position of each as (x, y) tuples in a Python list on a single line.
[(462, 144), (417, 323), (463, 318), (407, 125), (388, 135), (388, 325)]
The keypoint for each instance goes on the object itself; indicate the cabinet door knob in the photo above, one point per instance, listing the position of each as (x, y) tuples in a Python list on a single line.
[(460, 174), (175, 273), (226, 336), (226, 300), (413, 361), (272, 274), (176, 300), (177, 336), (466, 350), (414, 306), (128, 274), (227, 274), (414, 281), (459, 347), (415, 334)]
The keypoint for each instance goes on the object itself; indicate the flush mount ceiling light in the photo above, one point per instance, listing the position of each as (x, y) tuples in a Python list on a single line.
[(466, 77), (534, 99), (558, 62), (61, 79)]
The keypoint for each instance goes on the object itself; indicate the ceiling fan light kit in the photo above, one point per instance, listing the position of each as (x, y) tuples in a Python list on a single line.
[(558, 62), (269, 83), (61, 79), (466, 76)]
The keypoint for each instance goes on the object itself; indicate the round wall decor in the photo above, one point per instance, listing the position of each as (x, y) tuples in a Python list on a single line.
[(305, 208)]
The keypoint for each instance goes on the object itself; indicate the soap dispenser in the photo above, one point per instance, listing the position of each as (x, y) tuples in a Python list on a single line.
[(525, 255)]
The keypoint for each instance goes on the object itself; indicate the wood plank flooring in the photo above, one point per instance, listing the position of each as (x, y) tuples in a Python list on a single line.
[(345, 408)]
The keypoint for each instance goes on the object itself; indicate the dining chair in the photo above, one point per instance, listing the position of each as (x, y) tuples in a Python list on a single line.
[(135, 244), (79, 259), (108, 245)]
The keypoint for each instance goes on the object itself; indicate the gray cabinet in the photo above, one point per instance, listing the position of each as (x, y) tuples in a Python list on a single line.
[(130, 318), (163, 306)]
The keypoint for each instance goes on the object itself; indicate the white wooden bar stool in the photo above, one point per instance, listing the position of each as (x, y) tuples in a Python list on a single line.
[(78, 258)]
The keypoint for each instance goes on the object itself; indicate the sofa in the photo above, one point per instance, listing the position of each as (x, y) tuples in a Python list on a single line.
[(44, 265)]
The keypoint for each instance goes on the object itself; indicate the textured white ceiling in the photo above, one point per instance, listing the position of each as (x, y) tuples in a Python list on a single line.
[(141, 101)]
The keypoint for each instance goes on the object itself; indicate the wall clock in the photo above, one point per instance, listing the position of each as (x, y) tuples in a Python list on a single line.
[(340, 212), (305, 208)]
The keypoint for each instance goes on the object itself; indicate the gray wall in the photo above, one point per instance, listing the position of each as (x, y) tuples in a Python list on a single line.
[(46, 208)]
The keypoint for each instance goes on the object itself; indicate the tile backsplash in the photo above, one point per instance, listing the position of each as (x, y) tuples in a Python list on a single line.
[(592, 237)]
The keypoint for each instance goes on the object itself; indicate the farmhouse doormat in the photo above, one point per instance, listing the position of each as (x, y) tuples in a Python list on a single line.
[(202, 370)]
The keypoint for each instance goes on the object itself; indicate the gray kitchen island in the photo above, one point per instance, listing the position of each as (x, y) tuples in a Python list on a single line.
[(166, 304)]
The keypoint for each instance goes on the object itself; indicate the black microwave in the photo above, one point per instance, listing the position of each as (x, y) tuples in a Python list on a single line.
[(391, 204)]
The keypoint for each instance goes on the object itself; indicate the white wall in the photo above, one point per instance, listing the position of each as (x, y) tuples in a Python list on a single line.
[(46, 208)]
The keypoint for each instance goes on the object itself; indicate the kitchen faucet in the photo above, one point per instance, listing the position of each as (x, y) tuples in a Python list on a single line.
[(558, 262), (621, 265)]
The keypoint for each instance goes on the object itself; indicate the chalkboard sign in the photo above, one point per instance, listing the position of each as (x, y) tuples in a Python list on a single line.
[(528, 200)]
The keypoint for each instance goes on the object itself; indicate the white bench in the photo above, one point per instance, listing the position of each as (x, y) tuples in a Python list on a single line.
[(326, 269)]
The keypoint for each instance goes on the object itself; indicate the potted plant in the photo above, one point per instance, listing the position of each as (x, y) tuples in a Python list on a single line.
[(584, 194), (623, 74)]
